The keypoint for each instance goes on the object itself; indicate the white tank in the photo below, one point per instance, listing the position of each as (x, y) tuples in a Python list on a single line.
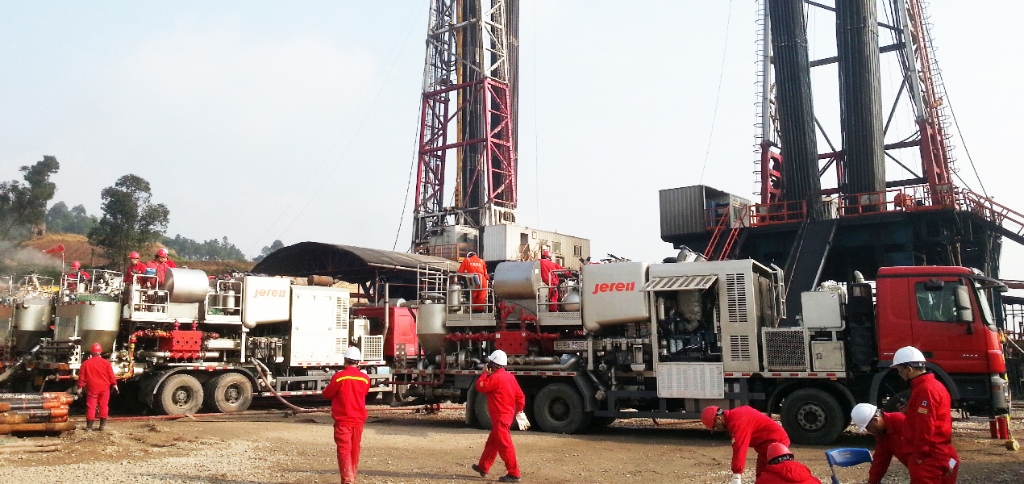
[(31, 322), (187, 285), (430, 323), (517, 280), (93, 322)]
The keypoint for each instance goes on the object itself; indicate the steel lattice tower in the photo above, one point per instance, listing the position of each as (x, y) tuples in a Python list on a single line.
[(468, 108)]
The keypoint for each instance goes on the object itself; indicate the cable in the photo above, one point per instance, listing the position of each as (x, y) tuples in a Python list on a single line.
[(408, 184), (718, 94), (963, 142)]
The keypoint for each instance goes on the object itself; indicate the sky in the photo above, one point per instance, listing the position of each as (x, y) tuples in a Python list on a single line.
[(297, 120)]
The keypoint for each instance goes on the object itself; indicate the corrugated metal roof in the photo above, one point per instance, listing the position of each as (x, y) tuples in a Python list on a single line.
[(680, 283)]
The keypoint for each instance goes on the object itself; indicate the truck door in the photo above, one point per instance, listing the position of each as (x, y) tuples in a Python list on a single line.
[(940, 327)]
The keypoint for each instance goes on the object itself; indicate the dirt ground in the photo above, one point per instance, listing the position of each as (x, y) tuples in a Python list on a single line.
[(404, 447)]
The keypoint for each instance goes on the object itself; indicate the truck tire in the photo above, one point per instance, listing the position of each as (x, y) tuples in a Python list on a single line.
[(179, 394), (227, 393), (558, 408), (483, 417), (812, 417)]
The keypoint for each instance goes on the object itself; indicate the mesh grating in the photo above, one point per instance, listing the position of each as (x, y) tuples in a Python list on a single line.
[(372, 347), (785, 349)]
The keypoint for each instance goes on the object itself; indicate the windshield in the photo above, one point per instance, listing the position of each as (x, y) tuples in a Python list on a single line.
[(986, 308)]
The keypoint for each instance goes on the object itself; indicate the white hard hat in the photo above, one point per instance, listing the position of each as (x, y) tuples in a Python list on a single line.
[(498, 358), (907, 354), (862, 415), (353, 353)]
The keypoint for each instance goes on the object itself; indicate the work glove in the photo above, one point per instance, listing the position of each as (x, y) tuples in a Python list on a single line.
[(736, 479), (74, 391), (524, 423), (115, 390)]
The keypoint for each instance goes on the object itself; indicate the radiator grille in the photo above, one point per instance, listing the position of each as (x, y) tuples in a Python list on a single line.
[(736, 294), (739, 347), (340, 345), (785, 349), (341, 315)]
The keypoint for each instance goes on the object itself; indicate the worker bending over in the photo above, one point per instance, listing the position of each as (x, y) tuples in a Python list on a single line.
[(889, 430), (504, 400), (347, 391), (748, 428)]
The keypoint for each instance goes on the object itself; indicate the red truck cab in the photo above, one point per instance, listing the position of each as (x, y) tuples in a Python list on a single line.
[(944, 312)]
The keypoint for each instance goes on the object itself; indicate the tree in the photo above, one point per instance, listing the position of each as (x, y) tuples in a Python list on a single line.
[(130, 220), (268, 250), (212, 249), (75, 221), (23, 205)]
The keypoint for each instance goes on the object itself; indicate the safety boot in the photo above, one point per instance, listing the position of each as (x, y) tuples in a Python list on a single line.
[(103, 422), (509, 478), (88, 425)]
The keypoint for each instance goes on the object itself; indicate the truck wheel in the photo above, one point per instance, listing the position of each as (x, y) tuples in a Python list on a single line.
[(558, 408), (483, 417), (179, 395), (812, 417), (227, 393)]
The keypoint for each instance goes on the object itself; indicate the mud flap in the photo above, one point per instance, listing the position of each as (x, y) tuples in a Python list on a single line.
[(586, 388)]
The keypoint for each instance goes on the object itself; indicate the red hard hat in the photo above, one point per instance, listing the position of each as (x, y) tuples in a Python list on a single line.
[(161, 253), (96, 349), (545, 255), (707, 416), (777, 450), (76, 265), (133, 255)]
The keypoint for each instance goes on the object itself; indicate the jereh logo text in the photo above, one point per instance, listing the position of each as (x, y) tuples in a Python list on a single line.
[(270, 293), (614, 287)]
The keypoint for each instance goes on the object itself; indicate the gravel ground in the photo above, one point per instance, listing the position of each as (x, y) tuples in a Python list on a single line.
[(402, 447)]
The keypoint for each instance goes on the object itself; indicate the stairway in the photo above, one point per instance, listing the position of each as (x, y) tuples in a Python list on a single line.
[(805, 262)]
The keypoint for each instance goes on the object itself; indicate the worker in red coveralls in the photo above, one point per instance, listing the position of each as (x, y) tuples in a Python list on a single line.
[(76, 275), (476, 266), (748, 428), (96, 376), (783, 469), (504, 400), (347, 391), (929, 432), (889, 430), (547, 268), (161, 263), (135, 267)]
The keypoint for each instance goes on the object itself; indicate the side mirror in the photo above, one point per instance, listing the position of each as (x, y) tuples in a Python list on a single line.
[(964, 309)]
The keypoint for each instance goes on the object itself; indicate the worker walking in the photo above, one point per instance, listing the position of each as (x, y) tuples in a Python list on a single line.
[(476, 266), (96, 376), (748, 428), (889, 430), (347, 392), (782, 468), (548, 268), (929, 431), (161, 263), (504, 400)]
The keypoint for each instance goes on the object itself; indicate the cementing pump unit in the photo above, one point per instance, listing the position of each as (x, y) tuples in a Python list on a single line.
[(638, 340), (201, 342)]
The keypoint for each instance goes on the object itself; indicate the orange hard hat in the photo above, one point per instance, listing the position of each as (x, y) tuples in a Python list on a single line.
[(96, 349), (776, 450), (707, 416), (133, 255), (76, 265), (161, 253)]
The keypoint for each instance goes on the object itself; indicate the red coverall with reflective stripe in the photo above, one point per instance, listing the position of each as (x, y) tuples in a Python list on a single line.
[(787, 472), (930, 432), (888, 445), (347, 391), (476, 265), (96, 376), (504, 400), (751, 428)]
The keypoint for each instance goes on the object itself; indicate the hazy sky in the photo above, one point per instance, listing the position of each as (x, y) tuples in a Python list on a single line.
[(297, 120)]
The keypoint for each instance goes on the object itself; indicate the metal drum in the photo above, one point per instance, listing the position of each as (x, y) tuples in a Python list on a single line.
[(187, 285), (93, 322), (430, 322), (31, 322), (517, 280)]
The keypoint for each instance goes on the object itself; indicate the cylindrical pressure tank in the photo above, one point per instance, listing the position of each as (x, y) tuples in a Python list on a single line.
[(571, 301), (517, 280), (187, 285), (430, 327)]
